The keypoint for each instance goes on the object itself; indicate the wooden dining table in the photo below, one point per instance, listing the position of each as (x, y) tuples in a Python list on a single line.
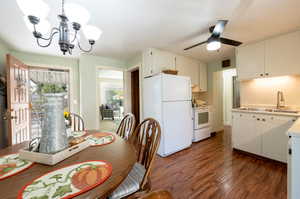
[(120, 153)]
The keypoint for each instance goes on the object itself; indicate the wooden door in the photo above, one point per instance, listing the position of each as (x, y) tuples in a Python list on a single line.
[(18, 101), (135, 95)]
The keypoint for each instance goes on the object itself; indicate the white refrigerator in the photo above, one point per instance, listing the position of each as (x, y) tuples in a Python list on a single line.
[(167, 98)]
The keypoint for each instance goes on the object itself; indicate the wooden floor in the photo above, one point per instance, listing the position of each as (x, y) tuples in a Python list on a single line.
[(210, 169)]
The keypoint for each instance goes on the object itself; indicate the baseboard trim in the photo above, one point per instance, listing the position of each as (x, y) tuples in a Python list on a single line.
[(258, 156)]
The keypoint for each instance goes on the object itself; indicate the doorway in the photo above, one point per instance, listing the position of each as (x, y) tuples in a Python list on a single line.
[(229, 93), (110, 98), (41, 79), (135, 94)]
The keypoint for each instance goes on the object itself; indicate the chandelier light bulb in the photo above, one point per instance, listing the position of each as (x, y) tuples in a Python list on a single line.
[(36, 8), (92, 32), (77, 13)]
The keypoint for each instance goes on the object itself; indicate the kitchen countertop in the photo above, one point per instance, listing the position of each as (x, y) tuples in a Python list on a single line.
[(294, 131), (268, 113)]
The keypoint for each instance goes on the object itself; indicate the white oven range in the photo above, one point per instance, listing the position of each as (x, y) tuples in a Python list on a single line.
[(202, 123)]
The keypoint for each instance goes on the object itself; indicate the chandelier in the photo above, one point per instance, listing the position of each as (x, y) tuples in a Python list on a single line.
[(36, 12)]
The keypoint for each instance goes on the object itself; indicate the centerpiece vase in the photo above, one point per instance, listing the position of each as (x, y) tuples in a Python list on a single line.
[(54, 137)]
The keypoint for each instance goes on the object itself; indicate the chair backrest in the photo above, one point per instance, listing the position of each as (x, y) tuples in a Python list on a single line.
[(126, 126), (146, 138), (77, 123)]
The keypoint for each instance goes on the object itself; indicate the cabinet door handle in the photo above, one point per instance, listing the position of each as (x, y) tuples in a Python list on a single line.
[(290, 151), (258, 119), (263, 119), (267, 73), (261, 75)]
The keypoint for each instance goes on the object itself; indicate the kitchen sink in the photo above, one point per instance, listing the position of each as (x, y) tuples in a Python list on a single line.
[(269, 110), (285, 111)]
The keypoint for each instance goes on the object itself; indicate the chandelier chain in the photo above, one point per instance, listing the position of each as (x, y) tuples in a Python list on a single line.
[(63, 7)]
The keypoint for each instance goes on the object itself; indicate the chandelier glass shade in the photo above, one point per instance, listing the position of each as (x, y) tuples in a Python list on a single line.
[(74, 15)]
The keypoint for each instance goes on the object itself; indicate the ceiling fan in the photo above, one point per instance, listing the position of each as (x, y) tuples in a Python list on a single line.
[(215, 40)]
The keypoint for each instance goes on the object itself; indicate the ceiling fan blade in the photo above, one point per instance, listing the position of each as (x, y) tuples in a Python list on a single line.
[(230, 42), (219, 28), (193, 46)]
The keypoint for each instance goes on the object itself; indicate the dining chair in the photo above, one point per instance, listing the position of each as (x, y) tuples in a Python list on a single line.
[(146, 138), (126, 126), (162, 194), (77, 123)]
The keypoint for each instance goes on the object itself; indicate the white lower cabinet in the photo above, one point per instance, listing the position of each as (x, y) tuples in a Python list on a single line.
[(262, 134), (245, 133)]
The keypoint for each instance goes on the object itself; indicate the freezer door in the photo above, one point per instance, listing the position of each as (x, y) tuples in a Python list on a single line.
[(176, 88), (177, 128)]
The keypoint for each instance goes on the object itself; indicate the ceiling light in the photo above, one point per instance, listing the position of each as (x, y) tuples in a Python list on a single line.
[(92, 32), (77, 13), (43, 26), (213, 45), (37, 8)]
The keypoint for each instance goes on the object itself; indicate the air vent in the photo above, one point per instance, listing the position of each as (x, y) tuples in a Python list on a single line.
[(226, 63)]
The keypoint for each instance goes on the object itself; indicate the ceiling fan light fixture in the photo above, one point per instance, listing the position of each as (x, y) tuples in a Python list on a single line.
[(213, 45)]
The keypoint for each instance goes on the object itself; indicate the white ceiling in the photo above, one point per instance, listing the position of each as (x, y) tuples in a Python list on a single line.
[(129, 26)]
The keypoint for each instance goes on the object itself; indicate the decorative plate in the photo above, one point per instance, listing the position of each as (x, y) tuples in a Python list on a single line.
[(77, 134), (11, 165), (67, 182), (99, 139)]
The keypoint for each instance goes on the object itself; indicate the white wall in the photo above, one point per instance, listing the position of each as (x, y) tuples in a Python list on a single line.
[(88, 66), (263, 92), (228, 95)]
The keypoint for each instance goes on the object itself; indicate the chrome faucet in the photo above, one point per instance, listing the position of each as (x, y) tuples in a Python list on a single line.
[(280, 100)]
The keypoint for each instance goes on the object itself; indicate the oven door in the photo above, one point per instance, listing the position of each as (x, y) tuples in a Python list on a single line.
[(202, 119)]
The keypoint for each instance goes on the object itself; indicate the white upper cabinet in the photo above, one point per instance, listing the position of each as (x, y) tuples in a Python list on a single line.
[(203, 77), (155, 61), (147, 63), (250, 61), (273, 57), (188, 67), (163, 60), (282, 55)]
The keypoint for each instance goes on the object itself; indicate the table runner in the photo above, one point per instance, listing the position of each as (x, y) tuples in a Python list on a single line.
[(67, 182), (100, 138), (11, 165)]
